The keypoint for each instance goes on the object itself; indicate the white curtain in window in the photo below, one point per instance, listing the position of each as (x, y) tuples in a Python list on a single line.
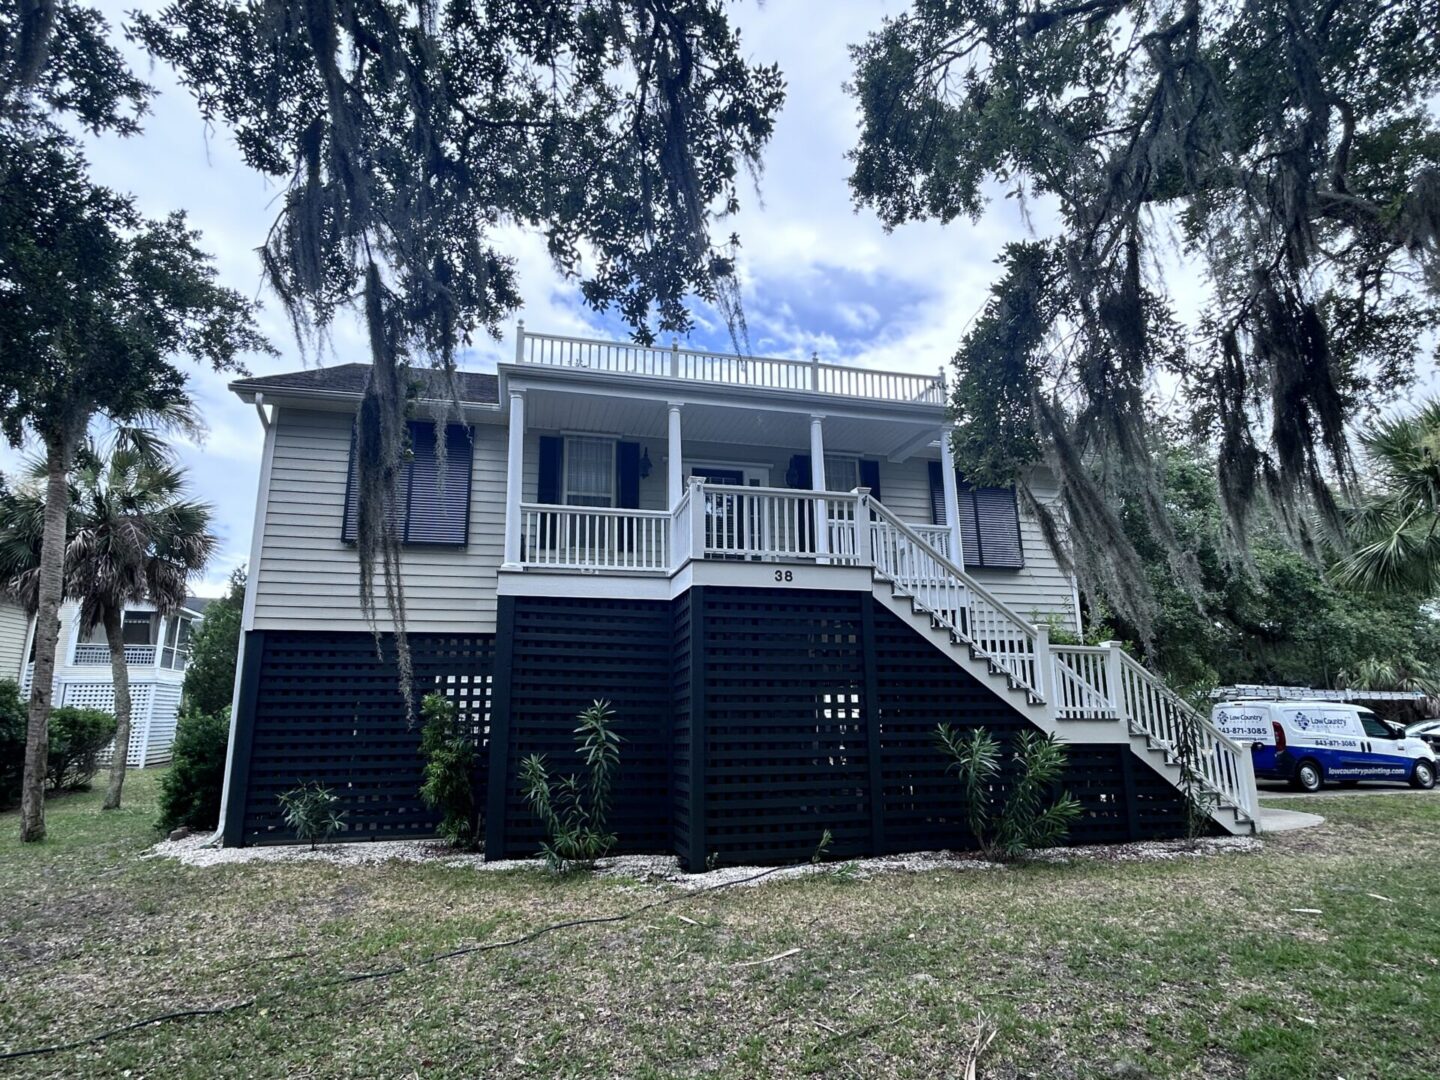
[(589, 472), (841, 473)]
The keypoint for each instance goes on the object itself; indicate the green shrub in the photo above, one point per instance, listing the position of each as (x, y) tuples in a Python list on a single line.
[(190, 791), (449, 784), (77, 737), (1006, 825), (313, 812), (14, 720), (575, 815)]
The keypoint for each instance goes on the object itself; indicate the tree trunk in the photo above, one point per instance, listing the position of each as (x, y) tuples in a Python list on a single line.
[(58, 450), (120, 675)]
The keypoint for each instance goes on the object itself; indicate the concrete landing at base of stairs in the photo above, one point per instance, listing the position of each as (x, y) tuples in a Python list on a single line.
[(1272, 821)]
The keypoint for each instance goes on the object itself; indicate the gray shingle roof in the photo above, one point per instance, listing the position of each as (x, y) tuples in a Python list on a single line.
[(474, 387)]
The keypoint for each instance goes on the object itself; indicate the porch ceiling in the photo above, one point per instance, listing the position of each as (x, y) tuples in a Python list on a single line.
[(739, 425)]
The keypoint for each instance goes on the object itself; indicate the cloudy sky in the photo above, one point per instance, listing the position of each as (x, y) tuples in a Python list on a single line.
[(819, 275)]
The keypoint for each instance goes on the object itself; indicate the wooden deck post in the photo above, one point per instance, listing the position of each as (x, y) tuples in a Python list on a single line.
[(514, 478)]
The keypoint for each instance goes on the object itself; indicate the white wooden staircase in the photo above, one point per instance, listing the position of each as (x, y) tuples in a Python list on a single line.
[(1077, 693)]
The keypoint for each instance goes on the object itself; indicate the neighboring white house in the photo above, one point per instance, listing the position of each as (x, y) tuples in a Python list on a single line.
[(770, 566), (157, 648)]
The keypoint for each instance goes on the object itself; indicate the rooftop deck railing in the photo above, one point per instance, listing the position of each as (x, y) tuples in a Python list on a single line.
[(769, 373)]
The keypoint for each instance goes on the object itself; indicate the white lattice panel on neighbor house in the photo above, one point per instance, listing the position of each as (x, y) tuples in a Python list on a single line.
[(101, 695)]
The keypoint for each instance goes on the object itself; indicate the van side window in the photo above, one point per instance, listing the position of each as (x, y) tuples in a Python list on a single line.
[(1374, 727)]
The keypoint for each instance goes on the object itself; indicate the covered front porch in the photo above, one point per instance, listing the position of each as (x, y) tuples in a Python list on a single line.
[(628, 480)]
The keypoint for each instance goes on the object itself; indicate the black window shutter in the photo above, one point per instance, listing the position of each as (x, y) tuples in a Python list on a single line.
[(552, 461), (997, 524), (937, 494), (627, 475), (970, 538), (352, 497), (870, 477), (439, 506), (799, 475)]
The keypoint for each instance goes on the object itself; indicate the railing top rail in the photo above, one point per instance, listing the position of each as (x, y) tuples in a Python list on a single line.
[(1084, 650), (928, 383), (604, 511), (970, 583), (1129, 661), (799, 493)]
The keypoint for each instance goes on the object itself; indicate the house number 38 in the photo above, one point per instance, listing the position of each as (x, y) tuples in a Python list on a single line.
[(784, 575)]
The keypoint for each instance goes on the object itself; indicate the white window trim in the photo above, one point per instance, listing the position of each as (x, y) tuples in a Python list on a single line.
[(755, 475), (565, 468)]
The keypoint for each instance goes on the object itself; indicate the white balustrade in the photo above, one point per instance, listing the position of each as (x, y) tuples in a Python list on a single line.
[(97, 653), (626, 358), (1081, 683), (594, 538), (953, 597)]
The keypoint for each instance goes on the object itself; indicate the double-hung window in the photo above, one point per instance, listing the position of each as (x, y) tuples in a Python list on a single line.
[(589, 471)]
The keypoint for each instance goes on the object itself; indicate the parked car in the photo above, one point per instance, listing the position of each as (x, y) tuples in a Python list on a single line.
[(1310, 742), (1429, 730)]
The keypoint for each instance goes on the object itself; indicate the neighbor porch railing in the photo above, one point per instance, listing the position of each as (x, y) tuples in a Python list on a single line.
[(770, 373), (94, 653)]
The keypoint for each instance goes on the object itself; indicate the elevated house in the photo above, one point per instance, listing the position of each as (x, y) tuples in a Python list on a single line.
[(157, 649), (770, 567)]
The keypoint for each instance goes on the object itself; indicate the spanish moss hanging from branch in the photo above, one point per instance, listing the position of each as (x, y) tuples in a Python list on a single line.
[(407, 134), (1245, 202)]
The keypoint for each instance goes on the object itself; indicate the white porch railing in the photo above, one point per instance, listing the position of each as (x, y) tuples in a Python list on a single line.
[(594, 538), (1223, 765), (693, 365), (94, 653), (723, 522), (954, 597)]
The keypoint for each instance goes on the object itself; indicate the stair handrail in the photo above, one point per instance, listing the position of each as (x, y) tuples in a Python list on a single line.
[(1027, 665), (1234, 778), (883, 512)]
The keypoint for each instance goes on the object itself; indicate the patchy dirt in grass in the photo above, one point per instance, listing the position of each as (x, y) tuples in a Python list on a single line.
[(665, 869)]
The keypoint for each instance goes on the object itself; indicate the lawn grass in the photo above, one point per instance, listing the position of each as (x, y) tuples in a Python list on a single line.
[(1196, 967)]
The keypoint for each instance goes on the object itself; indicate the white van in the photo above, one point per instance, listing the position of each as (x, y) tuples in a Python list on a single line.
[(1310, 742)]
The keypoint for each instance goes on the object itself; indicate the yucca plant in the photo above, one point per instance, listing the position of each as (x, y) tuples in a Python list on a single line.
[(576, 812), (1006, 825)]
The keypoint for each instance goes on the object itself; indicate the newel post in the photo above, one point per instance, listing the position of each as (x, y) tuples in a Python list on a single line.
[(1114, 688), (1045, 672), (520, 342), (674, 358), (697, 518), (863, 554)]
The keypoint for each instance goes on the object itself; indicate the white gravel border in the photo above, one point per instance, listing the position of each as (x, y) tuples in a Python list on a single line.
[(665, 869)]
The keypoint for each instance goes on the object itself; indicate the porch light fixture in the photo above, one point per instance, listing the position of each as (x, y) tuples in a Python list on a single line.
[(644, 462)]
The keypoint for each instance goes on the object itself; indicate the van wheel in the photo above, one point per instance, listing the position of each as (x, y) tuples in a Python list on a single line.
[(1423, 776), (1307, 777)]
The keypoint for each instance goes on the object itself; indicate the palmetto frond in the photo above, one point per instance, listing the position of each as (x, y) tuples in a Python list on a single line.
[(1395, 537), (132, 535)]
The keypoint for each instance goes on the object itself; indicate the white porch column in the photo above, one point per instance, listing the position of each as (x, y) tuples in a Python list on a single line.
[(514, 478), (952, 498), (817, 482), (674, 473)]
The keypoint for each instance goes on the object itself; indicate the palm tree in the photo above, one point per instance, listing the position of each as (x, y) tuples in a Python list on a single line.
[(132, 536), (1395, 536)]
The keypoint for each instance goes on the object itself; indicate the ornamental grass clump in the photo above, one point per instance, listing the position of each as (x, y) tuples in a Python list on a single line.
[(576, 812), (1008, 819)]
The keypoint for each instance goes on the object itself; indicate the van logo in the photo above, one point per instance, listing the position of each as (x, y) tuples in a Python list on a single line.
[(1320, 722)]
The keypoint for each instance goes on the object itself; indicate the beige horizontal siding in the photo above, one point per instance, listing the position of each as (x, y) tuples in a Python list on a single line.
[(309, 579)]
